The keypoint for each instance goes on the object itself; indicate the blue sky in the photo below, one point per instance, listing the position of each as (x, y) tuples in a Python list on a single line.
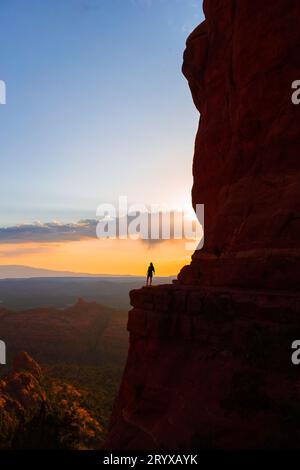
[(96, 106)]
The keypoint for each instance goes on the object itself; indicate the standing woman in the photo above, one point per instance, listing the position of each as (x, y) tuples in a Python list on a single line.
[(150, 272)]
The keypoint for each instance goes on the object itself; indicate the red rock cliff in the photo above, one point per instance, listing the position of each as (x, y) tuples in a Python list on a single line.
[(240, 64), (209, 364)]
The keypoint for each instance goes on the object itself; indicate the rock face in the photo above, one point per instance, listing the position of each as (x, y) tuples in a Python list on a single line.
[(240, 64), (209, 364)]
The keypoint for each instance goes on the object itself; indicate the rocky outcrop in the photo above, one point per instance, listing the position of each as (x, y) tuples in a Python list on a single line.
[(38, 413), (209, 368), (209, 363), (21, 392), (240, 64)]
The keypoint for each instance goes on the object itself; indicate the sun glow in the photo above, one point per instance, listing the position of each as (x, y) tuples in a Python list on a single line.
[(99, 256)]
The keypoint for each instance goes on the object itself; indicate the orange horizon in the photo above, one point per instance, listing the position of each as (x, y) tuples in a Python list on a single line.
[(98, 257)]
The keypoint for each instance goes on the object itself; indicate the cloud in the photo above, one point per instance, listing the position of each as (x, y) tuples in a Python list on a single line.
[(142, 225), (48, 232)]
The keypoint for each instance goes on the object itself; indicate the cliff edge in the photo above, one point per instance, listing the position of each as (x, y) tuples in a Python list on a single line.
[(209, 364)]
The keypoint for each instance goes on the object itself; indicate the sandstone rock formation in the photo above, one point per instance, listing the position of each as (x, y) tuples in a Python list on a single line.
[(240, 64), (36, 413), (209, 363)]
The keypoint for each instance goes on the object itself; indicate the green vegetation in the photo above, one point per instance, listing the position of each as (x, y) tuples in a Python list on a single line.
[(98, 386)]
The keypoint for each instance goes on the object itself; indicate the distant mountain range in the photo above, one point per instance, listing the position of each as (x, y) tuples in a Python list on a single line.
[(26, 272), (22, 287), (19, 271)]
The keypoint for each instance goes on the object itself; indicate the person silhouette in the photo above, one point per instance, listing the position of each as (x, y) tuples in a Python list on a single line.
[(150, 272)]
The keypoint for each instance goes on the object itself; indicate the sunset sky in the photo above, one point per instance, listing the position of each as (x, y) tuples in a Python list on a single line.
[(96, 108)]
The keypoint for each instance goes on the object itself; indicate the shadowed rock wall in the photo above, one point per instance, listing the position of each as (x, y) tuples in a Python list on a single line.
[(209, 364)]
